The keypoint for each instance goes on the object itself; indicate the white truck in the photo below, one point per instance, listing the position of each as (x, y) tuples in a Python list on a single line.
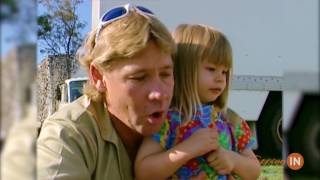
[(255, 30), (71, 89)]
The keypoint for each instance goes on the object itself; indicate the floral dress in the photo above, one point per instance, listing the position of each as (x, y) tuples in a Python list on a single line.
[(233, 136)]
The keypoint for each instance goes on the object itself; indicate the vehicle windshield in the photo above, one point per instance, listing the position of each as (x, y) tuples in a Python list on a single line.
[(76, 89)]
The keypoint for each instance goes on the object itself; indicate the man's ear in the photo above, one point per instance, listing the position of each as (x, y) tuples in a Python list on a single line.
[(96, 78)]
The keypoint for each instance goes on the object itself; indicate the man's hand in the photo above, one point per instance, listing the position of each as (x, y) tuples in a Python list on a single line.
[(221, 161)]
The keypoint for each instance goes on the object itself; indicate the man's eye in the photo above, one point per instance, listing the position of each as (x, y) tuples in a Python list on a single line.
[(138, 78), (166, 74)]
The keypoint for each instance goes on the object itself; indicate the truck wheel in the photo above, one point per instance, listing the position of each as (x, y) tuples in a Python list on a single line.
[(304, 136), (269, 127)]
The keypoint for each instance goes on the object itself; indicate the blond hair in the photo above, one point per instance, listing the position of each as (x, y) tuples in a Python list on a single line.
[(195, 44), (122, 39)]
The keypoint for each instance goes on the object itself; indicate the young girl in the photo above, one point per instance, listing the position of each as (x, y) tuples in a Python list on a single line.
[(197, 135)]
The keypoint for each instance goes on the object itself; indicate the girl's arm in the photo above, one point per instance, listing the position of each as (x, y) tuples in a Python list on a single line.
[(153, 162), (245, 164)]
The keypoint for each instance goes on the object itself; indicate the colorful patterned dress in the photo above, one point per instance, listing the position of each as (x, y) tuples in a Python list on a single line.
[(233, 136)]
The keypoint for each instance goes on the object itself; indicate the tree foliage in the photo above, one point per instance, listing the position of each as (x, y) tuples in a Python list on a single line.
[(59, 27)]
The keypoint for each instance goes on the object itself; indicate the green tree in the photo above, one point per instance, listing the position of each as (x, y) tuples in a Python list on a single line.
[(59, 28)]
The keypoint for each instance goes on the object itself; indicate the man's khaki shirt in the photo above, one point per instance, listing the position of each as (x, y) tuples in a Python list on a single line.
[(79, 142)]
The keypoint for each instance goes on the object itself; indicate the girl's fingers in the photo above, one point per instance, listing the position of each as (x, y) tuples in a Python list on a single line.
[(212, 156)]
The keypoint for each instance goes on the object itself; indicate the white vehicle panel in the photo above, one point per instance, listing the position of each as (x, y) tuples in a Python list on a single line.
[(247, 108)]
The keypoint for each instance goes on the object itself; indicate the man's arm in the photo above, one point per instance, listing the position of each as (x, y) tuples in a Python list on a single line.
[(61, 153)]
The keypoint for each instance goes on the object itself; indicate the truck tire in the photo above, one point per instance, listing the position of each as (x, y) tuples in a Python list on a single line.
[(304, 135), (269, 127)]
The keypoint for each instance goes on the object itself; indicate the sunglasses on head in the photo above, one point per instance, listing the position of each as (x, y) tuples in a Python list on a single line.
[(118, 13)]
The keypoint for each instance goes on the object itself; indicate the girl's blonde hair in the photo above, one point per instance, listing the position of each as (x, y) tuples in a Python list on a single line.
[(122, 39), (195, 44)]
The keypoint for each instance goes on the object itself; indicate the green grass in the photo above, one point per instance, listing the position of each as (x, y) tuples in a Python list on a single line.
[(274, 172)]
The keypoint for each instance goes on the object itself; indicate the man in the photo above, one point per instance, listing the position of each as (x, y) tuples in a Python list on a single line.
[(128, 58)]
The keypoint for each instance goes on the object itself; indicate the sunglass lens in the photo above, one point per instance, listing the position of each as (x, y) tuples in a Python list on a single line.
[(114, 13), (143, 9)]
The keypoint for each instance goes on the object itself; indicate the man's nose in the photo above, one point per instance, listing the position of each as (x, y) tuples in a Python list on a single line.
[(158, 94)]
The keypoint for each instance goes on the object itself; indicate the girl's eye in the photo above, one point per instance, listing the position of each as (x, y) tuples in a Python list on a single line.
[(211, 69), (224, 72)]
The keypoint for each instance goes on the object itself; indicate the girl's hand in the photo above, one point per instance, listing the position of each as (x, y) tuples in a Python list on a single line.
[(202, 141), (221, 161)]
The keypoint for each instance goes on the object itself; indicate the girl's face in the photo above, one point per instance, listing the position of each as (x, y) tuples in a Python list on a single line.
[(212, 80)]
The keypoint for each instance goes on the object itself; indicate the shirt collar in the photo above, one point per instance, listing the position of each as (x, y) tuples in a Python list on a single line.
[(108, 133), (102, 118)]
